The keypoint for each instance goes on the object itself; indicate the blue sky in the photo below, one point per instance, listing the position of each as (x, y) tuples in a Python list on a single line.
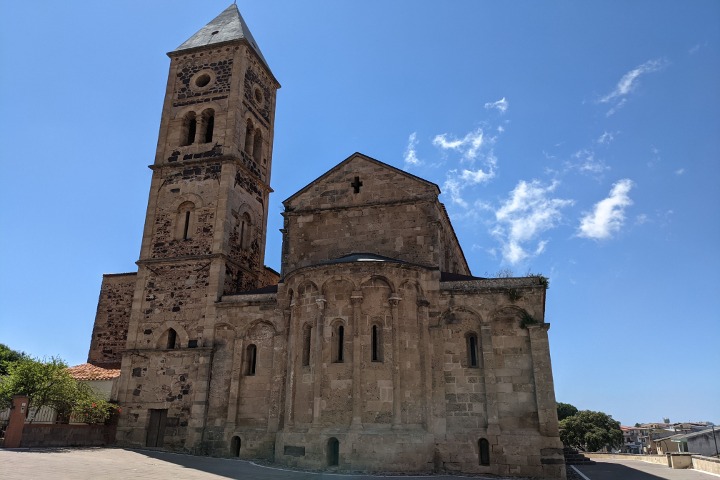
[(580, 140)]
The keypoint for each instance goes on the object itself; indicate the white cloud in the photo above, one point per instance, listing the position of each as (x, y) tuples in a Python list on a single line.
[(605, 138), (679, 171), (608, 215), (469, 146), (457, 181), (501, 105), (628, 82), (411, 159), (523, 216)]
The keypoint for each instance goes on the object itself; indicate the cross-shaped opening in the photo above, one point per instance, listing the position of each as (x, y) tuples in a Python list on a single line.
[(356, 184)]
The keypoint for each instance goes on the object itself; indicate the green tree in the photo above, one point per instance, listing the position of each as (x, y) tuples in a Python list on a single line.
[(591, 431), (49, 383), (565, 410), (8, 356)]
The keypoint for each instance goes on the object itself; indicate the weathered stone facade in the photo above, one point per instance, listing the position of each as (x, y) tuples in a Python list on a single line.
[(374, 350)]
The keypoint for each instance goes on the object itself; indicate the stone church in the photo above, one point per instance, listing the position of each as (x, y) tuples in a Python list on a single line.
[(373, 349)]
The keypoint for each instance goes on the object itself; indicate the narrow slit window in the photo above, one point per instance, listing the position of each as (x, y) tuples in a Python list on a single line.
[(341, 341), (472, 350), (171, 339), (484, 451), (257, 145), (189, 129), (307, 343), (186, 227), (248, 137), (251, 359), (376, 344)]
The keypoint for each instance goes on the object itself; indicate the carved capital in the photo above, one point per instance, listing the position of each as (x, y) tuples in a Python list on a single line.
[(394, 300), (356, 298), (423, 302), (320, 302)]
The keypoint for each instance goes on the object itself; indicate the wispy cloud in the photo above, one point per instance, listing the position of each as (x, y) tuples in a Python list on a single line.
[(410, 156), (469, 146), (606, 138), (528, 211), (608, 215), (584, 161), (628, 82), (460, 179), (680, 171), (501, 105)]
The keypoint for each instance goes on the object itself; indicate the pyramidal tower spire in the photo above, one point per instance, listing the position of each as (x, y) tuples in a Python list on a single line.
[(229, 26)]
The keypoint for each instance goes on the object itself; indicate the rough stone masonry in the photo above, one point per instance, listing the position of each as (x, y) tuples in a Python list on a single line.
[(374, 348)]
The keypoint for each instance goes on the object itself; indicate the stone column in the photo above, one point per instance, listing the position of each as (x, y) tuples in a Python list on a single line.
[(318, 363), (356, 298), (488, 366), (425, 360), (397, 396), (235, 382), (542, 375), (291, 364)]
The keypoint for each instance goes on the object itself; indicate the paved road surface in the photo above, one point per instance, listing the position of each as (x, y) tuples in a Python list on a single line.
[(121, 464), (636, 470)]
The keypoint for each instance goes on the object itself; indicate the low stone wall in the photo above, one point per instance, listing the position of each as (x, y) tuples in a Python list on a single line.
[(706, 464), (44, 435), (659, 459)]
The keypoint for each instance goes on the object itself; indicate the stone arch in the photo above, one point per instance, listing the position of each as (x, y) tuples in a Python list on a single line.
[(507, 318), (457, 314), (333, 452), (412, 283), (372, 279), (325, 287), (189, 197), (252, 326), (160, 338)]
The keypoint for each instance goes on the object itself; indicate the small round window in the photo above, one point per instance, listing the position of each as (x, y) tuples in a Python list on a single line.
[(202, 80)]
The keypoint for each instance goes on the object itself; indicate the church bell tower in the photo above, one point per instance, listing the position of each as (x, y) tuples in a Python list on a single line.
[(205, 227)]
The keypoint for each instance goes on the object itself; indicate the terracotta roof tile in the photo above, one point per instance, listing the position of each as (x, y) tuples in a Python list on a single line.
[(87, 371)]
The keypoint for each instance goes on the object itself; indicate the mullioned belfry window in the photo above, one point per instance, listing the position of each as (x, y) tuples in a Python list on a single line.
[(189, 129), (208, 125), (249, 137), (197, 129)]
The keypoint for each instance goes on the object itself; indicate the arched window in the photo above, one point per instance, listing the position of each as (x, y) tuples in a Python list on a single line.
[(249, 137), (484, 451), (189, 129), (235, 444), (307, 343), (257, 145), (376, 343), (338, 342), (185, 221), (333, 452), (251, 359), (472, 350), (208, 117), (172, 338)]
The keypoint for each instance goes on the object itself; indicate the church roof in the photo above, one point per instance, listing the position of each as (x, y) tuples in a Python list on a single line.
[(229, 26)]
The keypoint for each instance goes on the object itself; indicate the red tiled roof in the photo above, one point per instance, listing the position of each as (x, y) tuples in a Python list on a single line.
[(87, 371)]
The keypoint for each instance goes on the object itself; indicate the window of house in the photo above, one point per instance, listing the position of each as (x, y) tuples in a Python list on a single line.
[(251, 359)]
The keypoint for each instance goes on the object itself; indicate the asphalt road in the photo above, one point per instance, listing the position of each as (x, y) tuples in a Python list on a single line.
[(636, 470)]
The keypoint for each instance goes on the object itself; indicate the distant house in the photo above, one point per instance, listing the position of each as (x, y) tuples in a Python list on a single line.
[(704, 442), (632, 440)]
